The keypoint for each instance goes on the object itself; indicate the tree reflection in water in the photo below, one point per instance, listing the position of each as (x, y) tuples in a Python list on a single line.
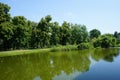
[(52, 66)]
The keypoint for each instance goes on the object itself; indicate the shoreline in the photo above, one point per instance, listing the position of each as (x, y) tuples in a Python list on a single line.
[(42, 50), (37, 51)]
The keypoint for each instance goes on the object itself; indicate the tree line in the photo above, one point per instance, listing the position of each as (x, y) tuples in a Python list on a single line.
[(19, 33)]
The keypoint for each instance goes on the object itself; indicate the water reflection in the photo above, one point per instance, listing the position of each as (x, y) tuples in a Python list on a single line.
[(103, 69), (105, 54), (52, 66), (37, 78)]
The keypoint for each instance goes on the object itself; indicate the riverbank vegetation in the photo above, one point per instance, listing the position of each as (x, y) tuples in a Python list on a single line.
[(19, 33), (36, 51)]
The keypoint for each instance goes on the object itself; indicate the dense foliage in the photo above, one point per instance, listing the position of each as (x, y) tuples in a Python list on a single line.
[(104, 41), (84, 46), (94, 33), (19, 33)]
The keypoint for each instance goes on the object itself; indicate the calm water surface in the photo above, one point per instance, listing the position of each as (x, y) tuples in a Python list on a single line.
[(100, 64)]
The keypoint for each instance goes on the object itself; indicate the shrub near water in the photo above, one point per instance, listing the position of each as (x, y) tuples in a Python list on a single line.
[(63, 48), (82, 46), (104, 41)]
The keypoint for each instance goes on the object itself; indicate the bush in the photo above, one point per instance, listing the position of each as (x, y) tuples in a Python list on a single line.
[(82, 46), (104, 41), (63, 48), (96, 42)]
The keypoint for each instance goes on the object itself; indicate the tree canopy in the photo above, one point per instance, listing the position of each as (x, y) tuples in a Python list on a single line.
[(19, 33), (94, 33)]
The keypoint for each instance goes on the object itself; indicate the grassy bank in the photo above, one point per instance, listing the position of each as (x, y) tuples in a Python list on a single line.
[(34, 51), (22, 52)]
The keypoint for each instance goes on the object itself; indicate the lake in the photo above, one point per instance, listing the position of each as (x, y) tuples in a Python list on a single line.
[(98, 64)]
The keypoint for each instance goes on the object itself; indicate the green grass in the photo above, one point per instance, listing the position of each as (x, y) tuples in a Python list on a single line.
[(35, 51), (22, 52)]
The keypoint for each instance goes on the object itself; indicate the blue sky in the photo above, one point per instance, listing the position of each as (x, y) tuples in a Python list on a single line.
[(101, 14)]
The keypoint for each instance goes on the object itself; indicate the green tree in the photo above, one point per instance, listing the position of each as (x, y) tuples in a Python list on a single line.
[(22, 32), (34, 35), (55, 34), (44, 29), (5, 27), (4, 15), (118, 40), (95, 33), (96, 42), (6, 33), (35, 38), (65, 33), (105, 41), (117, 36), (79, 34)]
